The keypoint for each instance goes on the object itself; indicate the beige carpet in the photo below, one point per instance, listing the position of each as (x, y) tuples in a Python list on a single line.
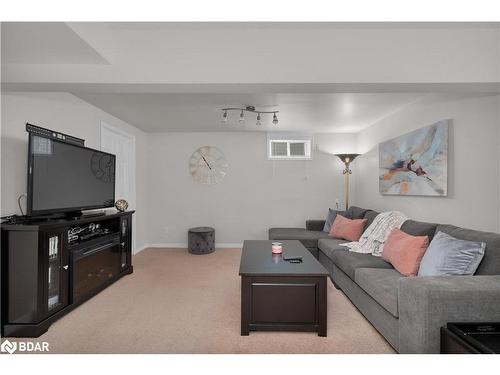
[(175, 302)]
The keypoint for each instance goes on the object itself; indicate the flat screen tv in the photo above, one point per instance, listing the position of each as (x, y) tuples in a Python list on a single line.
[(63, 177)]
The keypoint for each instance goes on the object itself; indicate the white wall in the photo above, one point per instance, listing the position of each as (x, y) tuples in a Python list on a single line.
[(498, 123), (255, 195), (473, 162), (68, 114), (258, 194)]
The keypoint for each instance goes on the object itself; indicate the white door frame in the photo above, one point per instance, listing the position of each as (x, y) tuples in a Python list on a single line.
[(105, 127)]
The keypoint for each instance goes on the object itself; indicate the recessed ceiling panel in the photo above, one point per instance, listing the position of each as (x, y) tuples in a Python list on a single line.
[(45, 43)]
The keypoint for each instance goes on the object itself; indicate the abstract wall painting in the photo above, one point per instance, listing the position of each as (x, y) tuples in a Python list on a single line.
[(416, 163)]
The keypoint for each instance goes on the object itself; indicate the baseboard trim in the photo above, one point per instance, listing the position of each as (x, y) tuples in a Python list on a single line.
[(184, 245)]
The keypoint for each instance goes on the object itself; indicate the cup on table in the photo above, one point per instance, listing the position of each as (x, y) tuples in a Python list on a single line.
[(276, 248), (277, 258)]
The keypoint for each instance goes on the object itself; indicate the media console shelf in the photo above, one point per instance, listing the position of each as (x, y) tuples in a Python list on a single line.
[(49, 267)]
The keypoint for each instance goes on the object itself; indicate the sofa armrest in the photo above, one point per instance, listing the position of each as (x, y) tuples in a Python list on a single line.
[(428, 303), (316, 225)]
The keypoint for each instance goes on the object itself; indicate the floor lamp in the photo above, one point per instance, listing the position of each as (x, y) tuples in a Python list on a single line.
[(347, 159)]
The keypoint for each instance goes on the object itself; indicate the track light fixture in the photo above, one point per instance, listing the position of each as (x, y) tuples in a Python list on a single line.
[(275, 119), (251, 109)]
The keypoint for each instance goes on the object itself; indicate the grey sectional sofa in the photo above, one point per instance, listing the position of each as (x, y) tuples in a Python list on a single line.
[(407, 311)]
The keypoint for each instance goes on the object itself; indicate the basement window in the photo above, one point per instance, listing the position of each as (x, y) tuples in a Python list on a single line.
[(289, 147)]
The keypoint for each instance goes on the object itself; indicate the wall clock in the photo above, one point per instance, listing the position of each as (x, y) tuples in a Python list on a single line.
[(101, 166), (208, 165)]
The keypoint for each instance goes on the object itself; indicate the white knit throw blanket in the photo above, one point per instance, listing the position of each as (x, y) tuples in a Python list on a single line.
[(373, 239)]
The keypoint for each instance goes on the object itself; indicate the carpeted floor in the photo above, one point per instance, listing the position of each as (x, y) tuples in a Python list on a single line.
[(175, 302)]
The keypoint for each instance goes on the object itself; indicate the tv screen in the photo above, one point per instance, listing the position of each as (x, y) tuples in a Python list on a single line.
[(63, 177)]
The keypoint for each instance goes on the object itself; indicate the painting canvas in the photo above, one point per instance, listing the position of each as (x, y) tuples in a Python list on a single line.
[(415, 163)]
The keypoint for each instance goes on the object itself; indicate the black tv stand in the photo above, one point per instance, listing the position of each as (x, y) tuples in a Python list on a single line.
[(25, 219), (76, 215), (49, 267)]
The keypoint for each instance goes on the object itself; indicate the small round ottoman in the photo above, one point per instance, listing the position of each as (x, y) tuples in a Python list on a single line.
[(201, 240)]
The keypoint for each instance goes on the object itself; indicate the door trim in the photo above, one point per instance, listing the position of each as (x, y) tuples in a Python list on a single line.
[(132, 169)]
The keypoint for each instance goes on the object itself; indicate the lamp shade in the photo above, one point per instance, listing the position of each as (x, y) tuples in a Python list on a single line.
[(347, 158)]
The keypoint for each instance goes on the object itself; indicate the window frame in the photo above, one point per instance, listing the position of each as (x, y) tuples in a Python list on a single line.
[(307, 140)]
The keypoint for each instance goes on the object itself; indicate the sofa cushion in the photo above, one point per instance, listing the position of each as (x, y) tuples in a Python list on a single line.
[(328, 245), (448, 256), (490, 265), (404, 251), (349, 261), (332, 214), (347, 229), (315, 224), (419, 228), (370, 215), (381, 285), (354, 212), (308, 238)]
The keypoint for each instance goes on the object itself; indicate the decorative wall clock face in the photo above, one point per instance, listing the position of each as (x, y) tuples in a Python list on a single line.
[(208, 165)]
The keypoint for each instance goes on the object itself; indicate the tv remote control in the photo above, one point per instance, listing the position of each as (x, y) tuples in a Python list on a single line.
[(292, 258)]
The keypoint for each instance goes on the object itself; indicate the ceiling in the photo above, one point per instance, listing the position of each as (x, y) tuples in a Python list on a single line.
[(45, 43), (315, 113), (322, 77), (249, 53)]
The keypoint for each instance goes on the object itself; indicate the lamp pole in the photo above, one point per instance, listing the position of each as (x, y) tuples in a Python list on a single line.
[(347, 159), (347, 172)]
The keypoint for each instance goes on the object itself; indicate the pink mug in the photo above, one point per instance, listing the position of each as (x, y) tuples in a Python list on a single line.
[(276, 248)]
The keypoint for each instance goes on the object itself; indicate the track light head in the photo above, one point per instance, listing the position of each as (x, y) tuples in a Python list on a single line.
[(242, 117), (258, 120), (275, 119), (224, 116)]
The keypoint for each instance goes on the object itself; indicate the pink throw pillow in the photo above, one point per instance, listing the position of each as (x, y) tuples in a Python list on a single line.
[(347, 229), (405, 251)]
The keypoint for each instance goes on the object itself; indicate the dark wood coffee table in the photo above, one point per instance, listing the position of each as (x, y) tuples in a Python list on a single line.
[(280, 296)]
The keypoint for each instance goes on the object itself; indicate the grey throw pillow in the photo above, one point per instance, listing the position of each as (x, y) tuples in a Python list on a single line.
[(447, 255), (332, 214)]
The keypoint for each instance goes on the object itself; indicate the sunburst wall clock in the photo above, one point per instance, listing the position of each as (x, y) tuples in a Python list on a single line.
[(208, 165)]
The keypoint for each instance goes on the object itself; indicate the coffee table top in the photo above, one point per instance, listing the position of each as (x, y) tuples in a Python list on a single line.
[(257, 260)]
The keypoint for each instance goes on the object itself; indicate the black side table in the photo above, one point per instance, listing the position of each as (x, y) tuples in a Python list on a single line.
[(201, 240), (470, 338)]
